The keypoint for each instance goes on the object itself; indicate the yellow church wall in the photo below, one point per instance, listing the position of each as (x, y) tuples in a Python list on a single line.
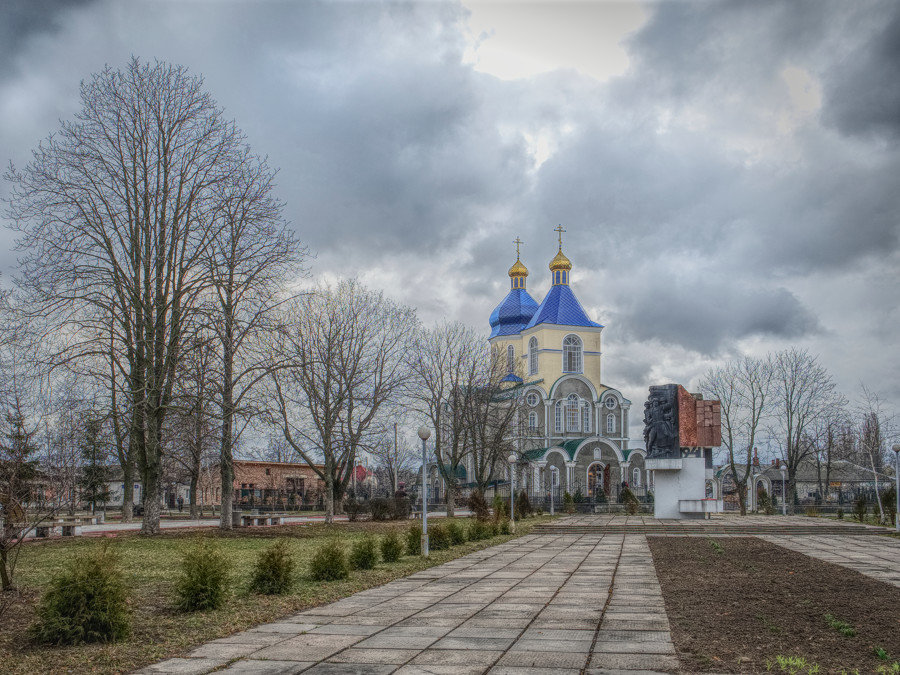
[(550, 339)]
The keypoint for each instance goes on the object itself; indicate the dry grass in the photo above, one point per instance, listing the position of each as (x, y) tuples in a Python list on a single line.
[(151, 567)]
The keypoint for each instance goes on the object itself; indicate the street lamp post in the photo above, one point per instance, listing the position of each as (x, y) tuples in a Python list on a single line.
[(424, 434), (896, 449), (512, 491), (783, 492)]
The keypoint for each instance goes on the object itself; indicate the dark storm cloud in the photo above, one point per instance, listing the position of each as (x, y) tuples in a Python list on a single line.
[(863, 96), (705, 315), (703, 199), (23, 19)]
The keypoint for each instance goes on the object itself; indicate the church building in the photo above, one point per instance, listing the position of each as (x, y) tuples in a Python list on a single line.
[(575, 428)]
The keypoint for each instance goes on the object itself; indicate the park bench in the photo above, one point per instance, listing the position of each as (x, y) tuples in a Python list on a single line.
[(261, 520), (65, 528)]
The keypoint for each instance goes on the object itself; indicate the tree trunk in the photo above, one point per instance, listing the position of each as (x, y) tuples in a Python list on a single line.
[(451, 500), (226, 456), (5, 578), (128, 490), (192, 496), (329, 496), (152, 479), (742, 497)]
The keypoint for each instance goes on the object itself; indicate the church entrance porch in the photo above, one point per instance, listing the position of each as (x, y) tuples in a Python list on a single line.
[(598, 479)]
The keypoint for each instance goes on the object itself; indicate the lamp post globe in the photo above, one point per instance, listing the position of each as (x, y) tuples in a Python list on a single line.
[(896, 449), (424, 434)]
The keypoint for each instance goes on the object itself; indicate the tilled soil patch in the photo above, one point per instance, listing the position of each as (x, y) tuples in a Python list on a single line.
[(736, 604)]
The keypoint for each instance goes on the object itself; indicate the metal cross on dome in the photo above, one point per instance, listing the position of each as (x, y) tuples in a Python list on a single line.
[(517, 241), (559, 228)]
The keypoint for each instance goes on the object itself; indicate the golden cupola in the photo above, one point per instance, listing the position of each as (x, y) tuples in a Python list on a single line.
[(560, 266), (518, 272)]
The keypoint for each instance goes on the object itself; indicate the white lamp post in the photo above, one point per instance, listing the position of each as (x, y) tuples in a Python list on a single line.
[(896, 449), (424, 434), (783, 492), (512, 491), (552, 469)]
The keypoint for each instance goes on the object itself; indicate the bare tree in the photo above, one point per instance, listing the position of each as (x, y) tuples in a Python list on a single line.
[(193, 424), (27, 499), (338, 361), (253, 256), (743, 387), (444, 362), (492, 414), (117, 213), (876, 427), (395, 453), (803, 391)]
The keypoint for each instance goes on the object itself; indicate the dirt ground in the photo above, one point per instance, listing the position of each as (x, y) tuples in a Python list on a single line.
[(739, 608)]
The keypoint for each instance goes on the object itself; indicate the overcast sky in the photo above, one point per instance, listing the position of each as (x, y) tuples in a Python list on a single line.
[(728, 173)]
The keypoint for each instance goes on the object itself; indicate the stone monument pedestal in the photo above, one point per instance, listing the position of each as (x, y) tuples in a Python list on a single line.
[(679, 488)]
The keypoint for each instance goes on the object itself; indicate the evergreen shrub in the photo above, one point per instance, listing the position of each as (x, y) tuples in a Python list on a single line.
[(438, 537), (501, 508), (274, 570), (889, 502), (568, 502), (401, 507), (860, 508), (456, 532), (364, 553), (503, 527), (478, 506), (382, 509), (391, 547), (479, 530), (86, 602), (414, 539), (204, 580), (329, 562), (523, 505)]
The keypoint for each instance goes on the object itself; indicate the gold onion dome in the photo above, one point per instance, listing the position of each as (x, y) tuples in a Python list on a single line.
[(560, 262), (518, 269)]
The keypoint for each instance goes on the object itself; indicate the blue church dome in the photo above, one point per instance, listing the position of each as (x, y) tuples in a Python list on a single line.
[(517, 308), (513, 314)]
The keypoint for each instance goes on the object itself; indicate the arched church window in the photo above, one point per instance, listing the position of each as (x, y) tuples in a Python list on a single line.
[(532, 356), (572, 354), (532, 421), (636, 477), (559, 416), (510, 359), (573, 413), (586, 416), (610, 423)]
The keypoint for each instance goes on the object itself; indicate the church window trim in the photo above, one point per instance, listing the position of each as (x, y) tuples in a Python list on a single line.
[(532, 398), (532, 421), (559, 416), (572, 354), (636, 477), (610, 423), (532, 356), (586, 417), (610, 402), (573, 413)]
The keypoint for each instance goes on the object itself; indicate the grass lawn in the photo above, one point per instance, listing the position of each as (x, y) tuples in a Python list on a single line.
[(151, 567)]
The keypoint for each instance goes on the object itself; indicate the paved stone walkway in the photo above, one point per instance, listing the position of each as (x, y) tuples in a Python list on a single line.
[(876, 557), (536, 604)]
